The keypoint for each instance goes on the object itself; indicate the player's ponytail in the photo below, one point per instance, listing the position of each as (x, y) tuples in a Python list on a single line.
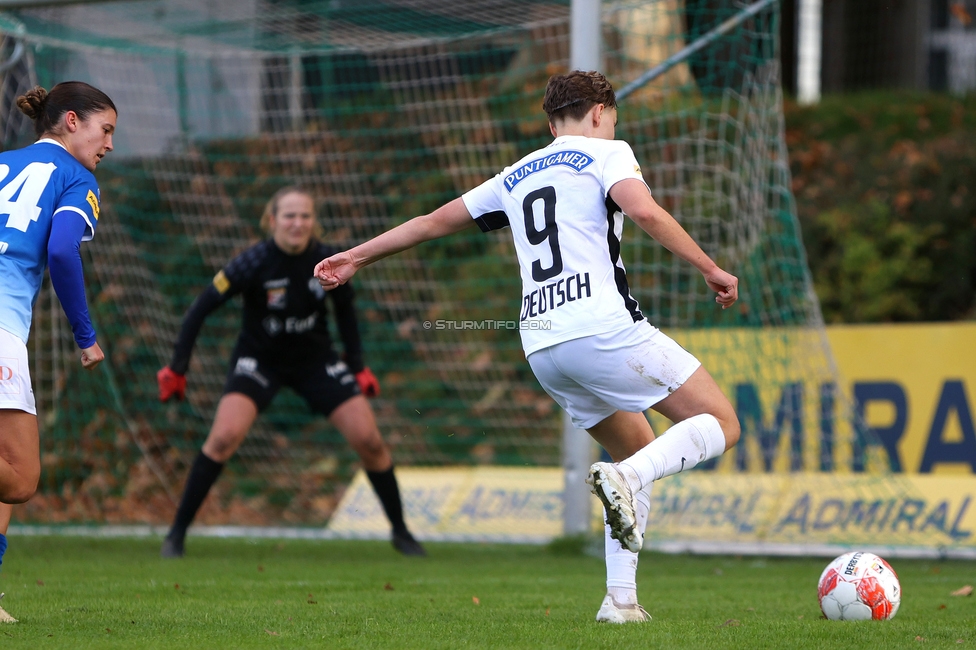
[(32, 102), (46, 108)]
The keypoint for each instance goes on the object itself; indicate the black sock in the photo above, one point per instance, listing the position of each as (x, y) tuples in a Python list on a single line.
[(203, 474), (385, 486)]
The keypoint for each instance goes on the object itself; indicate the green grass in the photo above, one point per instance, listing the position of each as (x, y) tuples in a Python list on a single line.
[(116, 593)]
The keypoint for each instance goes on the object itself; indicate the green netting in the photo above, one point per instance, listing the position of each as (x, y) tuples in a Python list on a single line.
[(386, 110)]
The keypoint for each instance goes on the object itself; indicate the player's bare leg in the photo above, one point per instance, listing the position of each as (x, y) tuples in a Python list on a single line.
[(20, 470), (236, 413), (20, 462), (706, 426), (5, 511), (355, 421), (701, 395)]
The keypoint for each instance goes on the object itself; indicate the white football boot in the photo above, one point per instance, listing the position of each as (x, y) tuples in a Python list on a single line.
[(613, 612), (619, 504), (4, 616)]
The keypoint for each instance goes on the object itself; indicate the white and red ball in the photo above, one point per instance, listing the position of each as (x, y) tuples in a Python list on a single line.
[(859, 586)]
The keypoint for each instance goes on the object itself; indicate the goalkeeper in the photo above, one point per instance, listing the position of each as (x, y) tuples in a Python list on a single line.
[(284, 342)]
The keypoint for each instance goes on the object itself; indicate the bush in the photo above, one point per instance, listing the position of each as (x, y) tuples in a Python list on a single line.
[(883, 184)]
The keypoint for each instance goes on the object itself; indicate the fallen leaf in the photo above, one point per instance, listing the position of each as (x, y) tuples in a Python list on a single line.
[(942, 606), (799, 617), (963, 591), (176, 586), (731, 623), (271, 632), (474, 599), (920, 638), (388, 586), (40, 583), (108, 630), (260, 569)]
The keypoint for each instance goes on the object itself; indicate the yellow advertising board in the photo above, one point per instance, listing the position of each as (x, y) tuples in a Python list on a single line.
[(696, 510), (916, 387), (815, 509), (913, 386), (506, 504)]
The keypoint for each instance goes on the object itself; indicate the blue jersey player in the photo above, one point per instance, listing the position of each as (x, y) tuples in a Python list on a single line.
[(48, 207)]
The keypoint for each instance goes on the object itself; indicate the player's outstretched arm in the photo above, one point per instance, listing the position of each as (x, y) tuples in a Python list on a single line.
[(637, 203), (448, 219)]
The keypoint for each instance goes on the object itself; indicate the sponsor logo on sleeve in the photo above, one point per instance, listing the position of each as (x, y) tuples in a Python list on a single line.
[(93, 202), (220, 282)]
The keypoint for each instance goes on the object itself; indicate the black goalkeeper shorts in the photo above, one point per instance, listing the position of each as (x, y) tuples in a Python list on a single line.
[(324, 384)]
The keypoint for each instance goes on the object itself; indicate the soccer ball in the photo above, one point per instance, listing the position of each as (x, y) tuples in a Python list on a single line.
[(859, 587)]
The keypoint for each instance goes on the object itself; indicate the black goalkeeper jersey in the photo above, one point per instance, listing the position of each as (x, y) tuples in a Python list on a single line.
[(285, 308)]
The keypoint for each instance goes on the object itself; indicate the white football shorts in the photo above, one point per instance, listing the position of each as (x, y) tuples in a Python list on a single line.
[(15, 381), (631, 369)]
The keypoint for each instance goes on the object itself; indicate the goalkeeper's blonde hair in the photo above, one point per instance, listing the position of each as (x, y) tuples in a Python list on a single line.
[(271, 209)]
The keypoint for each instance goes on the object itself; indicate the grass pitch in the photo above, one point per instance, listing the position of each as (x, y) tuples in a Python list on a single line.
[(71, 592)]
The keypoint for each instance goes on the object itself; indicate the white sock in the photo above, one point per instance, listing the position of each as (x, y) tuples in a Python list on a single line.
[(621, 563), (681, 447)]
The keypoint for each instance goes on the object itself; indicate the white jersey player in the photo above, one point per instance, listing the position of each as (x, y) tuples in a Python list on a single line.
[(596, 354)]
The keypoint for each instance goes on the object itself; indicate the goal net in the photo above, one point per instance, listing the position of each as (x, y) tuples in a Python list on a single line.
[(385, 109)]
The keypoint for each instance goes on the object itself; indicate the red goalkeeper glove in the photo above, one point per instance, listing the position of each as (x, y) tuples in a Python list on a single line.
[(170, 384), (368, 383)]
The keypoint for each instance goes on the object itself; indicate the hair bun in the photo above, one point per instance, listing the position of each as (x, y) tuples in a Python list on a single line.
[(32, 102)]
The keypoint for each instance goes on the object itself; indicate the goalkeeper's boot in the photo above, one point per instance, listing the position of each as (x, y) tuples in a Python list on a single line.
[(612, 488), (613, 612), (172, 546), (404, 542), (4, 616)]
